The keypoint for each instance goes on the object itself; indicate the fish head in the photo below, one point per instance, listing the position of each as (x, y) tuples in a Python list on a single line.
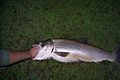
[(45, 50), (43, 44)]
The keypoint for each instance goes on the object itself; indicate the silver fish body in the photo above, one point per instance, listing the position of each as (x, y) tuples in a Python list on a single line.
[(72, 51)]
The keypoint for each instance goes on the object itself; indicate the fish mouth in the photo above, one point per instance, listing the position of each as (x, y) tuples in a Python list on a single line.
[(46, 49)]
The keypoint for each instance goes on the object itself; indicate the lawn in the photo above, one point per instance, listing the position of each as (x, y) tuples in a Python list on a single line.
[(25, 22)]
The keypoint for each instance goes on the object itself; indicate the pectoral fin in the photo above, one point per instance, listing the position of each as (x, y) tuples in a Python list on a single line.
[(62, 54)]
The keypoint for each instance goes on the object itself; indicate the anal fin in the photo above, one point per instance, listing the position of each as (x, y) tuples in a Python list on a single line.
[(81, 62)]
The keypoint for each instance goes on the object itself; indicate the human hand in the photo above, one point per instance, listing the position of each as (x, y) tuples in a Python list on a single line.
[(34, 51)]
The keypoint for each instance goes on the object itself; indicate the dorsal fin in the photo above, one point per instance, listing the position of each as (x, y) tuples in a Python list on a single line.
[(83, 40)]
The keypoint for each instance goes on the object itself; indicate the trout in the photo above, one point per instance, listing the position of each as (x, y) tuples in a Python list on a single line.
[(64, 50)]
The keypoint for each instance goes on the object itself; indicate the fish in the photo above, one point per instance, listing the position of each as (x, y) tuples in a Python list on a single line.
[(64, 50)]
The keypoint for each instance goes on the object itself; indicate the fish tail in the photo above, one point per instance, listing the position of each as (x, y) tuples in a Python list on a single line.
[(116, 54)]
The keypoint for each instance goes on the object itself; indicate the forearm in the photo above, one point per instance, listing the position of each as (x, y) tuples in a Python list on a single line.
[(10, 57), (18, 56)]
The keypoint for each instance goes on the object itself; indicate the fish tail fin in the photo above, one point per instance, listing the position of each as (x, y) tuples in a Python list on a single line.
[(116, 55)]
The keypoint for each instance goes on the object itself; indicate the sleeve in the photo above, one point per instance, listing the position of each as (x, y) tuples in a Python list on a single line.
[(4, 57)]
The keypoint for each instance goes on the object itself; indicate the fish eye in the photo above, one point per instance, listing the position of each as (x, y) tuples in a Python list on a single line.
[(46, 43), (43, 44)]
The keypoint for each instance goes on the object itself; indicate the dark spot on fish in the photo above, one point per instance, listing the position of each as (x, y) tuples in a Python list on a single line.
[(52, 49), (63, 54)]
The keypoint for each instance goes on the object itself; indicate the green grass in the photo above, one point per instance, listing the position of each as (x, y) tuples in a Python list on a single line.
[(25, 22)]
